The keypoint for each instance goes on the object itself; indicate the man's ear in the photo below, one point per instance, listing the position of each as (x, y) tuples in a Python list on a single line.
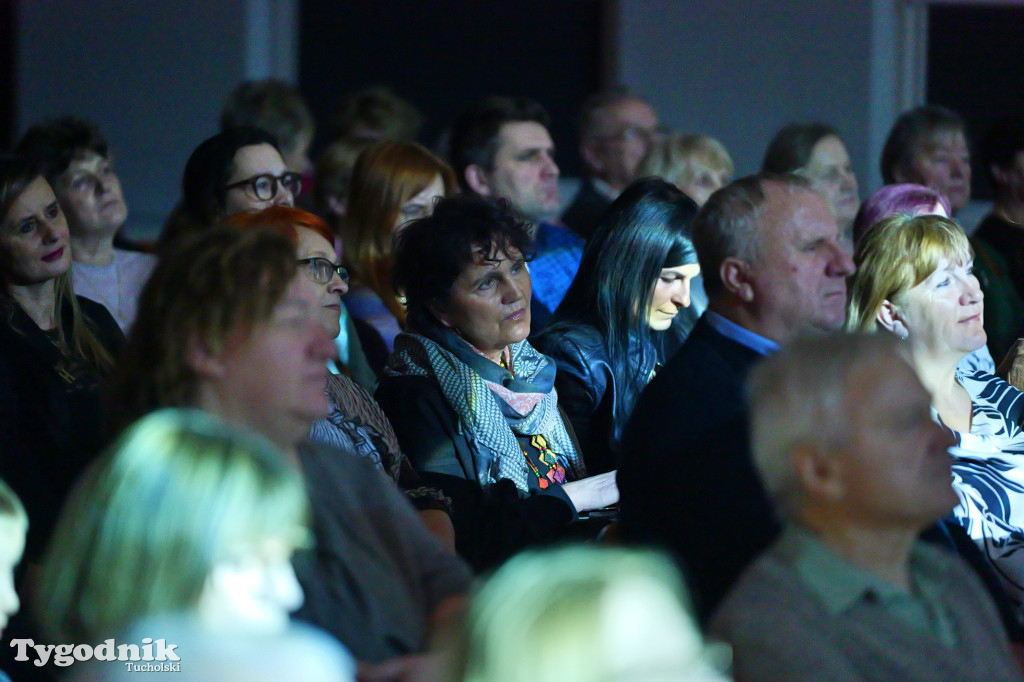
[(734, 273), (478, 181), (891, 318), (818, 472), (204, 362)]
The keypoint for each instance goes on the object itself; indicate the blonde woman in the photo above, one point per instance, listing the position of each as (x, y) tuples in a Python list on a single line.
[(914, 279), (184, 515), (696, 164), (583, 614)]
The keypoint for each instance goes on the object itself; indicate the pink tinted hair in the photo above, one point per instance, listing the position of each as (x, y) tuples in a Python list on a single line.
[(889, 200)]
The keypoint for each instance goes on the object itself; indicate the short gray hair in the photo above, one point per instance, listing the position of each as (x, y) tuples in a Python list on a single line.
[(728, 225), (799, 396)]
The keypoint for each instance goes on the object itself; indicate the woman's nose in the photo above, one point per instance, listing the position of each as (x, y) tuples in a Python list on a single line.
[(681, 296)]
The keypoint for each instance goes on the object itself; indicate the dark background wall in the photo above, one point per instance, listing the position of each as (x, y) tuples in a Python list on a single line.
[(443, 56)]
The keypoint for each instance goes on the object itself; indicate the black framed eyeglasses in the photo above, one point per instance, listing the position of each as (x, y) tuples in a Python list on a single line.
[(322, 270), (264, 186)]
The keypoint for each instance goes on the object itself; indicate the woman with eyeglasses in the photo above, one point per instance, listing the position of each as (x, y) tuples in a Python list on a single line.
[(392, 183), (354, 421), (239, 169)]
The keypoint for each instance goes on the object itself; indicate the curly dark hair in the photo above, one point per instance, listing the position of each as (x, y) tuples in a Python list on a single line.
[(431, 252)]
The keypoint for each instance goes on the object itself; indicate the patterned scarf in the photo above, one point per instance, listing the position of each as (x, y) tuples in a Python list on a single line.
[(486, 414)]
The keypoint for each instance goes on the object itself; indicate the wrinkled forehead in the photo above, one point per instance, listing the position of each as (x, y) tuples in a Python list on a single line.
[(790, 209)]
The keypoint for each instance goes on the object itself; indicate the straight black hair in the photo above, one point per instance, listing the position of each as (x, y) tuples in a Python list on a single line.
[(645, 230)]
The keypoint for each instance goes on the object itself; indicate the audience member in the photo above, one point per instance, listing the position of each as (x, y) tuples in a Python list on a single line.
[(331, 179), (914, 280), (774, 268), (999, 241), (75, 160), (375, 114), (928, 146), (815, 151), (583, 614), (55, 347), (472, 402), (890, 200), (354, 422), (843, 439), (223, 512), (500, 148), (915, 200), (13, 529), (616, 130), (278, 108), (239, 169), (697, 164), (392, 183), (224, 326), (603, 335)]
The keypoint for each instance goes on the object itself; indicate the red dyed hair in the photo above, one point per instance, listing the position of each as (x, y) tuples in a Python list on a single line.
[(284, 220)]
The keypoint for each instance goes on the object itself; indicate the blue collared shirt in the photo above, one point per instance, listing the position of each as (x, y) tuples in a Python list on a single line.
[(741, 335), (555, 264)]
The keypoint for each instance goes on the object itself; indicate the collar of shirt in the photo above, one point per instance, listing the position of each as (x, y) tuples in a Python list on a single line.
[(741, 335), (840, 585)]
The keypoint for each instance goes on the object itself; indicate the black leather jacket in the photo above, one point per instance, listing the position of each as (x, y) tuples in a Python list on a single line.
[(587, 390)]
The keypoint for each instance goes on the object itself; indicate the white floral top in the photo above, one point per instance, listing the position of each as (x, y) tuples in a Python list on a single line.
[(988, 476)]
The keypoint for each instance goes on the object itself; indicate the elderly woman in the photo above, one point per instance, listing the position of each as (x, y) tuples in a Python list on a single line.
[(815, 151), (231, 323), (392, 183), (696, 164), (239, 169), (55, 348), (472, 402), (603, 336), (914, 280), (354, 422)]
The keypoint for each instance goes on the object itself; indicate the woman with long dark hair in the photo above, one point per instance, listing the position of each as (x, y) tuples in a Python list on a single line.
[(634, 277)]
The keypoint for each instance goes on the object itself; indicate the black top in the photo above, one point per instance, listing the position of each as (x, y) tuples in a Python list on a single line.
[(583, 213), (596, 405), (686, 478), (51, 413), (999, 265), (490, 523)]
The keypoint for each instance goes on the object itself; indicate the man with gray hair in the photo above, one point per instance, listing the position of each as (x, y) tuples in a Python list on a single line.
[(774, 268), (844, 441)]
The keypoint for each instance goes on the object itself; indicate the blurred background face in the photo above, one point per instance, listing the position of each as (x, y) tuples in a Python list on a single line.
[(831, 174), (705, 182), (253, 591), (421, 205), (250, 161), (622, 138), (90, 195), (324, 298), (34, 237), (942, 161)]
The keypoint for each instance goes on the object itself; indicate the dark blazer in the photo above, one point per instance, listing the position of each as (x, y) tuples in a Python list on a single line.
[(686, 479), (582, 215)]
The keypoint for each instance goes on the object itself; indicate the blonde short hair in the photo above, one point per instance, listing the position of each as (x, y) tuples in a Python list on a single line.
[(678, 158), (548, 604), (178, 493), (895, 255)]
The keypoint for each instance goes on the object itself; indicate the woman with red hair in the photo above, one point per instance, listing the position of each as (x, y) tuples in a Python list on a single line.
[(392, 183)]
